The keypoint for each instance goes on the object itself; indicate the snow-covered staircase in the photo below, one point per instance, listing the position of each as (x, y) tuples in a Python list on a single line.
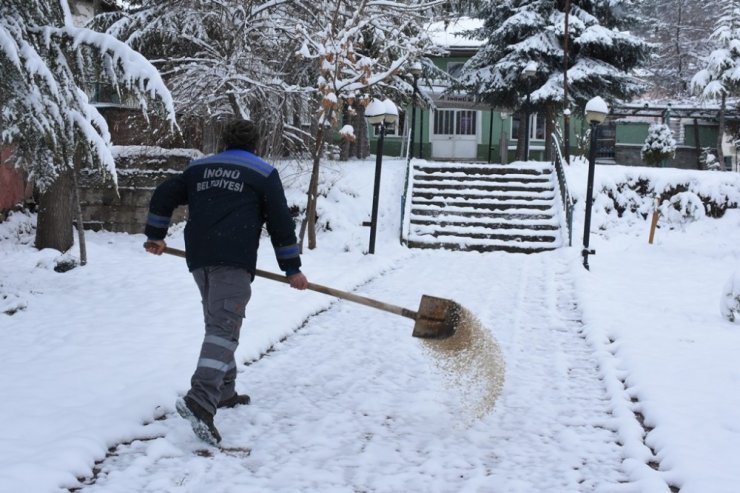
[(483, 207)]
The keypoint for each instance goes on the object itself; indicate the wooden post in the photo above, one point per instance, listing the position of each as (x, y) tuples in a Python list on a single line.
[(654, 222)]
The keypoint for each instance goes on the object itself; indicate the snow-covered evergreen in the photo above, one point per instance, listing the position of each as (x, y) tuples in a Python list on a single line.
[(720, 78), (601, 53), (659, 144), (46, 64), (721, 74)]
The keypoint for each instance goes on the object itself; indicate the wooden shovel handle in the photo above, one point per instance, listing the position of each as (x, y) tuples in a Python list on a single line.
[(398, 310)]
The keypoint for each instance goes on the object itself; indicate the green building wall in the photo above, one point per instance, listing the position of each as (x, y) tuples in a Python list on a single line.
[(488, 149)]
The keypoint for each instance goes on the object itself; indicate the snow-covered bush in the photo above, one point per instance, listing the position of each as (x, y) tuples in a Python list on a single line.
[(659, 144), (11, 301), (729, 304), (18, 227), (708, 159), (683, 208)]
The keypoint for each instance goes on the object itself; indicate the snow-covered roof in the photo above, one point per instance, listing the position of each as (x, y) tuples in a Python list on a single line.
[(451, 35)]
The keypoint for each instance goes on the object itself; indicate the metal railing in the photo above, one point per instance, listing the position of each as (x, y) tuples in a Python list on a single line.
[(406, 202), (567, 200)]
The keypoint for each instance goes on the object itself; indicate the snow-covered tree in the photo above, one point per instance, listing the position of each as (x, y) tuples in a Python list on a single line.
[(276, 61), (720, 77), (678, 29), (226, 58), (46, 117), (708, 160), (659, 144), (601, 54), (360, 49)]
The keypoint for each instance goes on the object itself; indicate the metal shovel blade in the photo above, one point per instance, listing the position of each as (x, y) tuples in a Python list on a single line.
[(437, 318)]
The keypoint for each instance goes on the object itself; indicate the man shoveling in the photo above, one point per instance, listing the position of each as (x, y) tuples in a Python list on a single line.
[(230, 196)]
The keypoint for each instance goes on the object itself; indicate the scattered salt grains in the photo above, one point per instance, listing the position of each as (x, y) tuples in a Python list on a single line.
[(473, 365)]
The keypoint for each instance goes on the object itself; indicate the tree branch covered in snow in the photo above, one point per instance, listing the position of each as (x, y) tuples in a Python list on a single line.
[(226, 58), (47, 64), (361, 49), (721, 73), (678, 30)]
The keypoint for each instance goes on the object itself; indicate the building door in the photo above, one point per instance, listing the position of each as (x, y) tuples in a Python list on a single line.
[(455, 134)]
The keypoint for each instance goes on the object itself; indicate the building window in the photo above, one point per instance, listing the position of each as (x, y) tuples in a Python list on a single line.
[(455, 122), (536, 127), (444, 122), (465, 124)]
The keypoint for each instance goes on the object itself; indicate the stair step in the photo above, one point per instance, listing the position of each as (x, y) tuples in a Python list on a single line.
[(464, 177), (502, 246), (493, 205), (513, 214), (459, 223), (478, 233), (478, 194), (482, 186), (485, 169)]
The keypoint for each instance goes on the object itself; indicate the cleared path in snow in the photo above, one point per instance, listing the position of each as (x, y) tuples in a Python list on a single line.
[(352, 402)]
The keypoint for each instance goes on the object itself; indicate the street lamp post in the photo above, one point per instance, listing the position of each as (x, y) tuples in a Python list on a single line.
[(596, 111), (378, 113), (415, 71), (530, 70)]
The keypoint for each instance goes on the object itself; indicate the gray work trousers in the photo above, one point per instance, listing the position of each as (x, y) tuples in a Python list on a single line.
[(225, 292)]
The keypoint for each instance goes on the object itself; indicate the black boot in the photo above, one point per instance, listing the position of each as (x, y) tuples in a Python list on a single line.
[(200, 419), (235, 400)]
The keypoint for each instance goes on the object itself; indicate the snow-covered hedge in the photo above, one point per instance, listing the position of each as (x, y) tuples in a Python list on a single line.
[(630, 192)]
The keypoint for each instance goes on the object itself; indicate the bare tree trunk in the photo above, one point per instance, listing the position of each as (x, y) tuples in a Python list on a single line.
[(362, 144), (80, 224), (521, 136), (549, 130), (309, 223), (55, 213)]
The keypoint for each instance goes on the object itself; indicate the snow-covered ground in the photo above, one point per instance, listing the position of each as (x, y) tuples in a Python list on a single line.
[(622, 378)]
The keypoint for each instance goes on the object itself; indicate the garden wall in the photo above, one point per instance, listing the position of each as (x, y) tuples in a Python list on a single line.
[(140, 169)]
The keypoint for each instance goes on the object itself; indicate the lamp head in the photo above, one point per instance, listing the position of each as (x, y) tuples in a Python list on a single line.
[(391, 111), (415, 69), (375, 112), (596, 110)]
